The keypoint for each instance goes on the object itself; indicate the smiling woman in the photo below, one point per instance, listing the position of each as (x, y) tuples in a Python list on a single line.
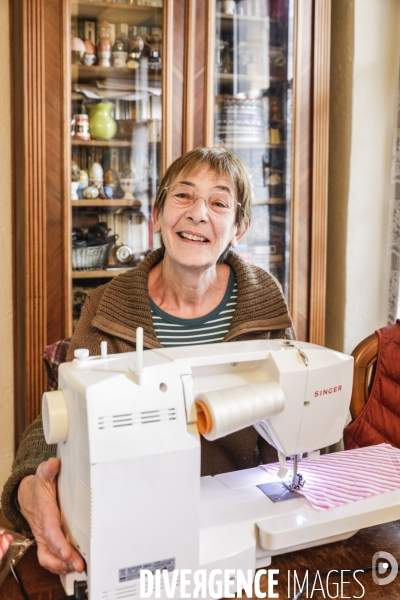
[(193, 290), (202, 209)]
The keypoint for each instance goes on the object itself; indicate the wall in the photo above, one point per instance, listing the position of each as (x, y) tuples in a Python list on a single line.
[(340, 110), (359, 196), (6, 313)]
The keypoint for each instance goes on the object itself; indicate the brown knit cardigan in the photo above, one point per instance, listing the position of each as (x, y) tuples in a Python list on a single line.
[(114, 311)]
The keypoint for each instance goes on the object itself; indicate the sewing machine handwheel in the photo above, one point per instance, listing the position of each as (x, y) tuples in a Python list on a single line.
[(55, 417)]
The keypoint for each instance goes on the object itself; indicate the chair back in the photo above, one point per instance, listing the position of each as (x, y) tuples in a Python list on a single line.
[(365, 357)]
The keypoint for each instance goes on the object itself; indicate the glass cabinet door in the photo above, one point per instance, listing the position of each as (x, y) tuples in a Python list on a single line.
[(252, 117), (116, 113)]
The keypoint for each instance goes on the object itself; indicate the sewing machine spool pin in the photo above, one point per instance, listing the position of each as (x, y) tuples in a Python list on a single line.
[(138, 375)]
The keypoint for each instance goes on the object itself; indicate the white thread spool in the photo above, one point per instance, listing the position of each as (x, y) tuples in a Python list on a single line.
[(225, 411)]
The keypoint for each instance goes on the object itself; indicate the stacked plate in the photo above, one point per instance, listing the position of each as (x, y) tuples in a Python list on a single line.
[(241, 120)]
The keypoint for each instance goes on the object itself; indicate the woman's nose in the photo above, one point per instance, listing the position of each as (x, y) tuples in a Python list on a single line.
[(198, 211)]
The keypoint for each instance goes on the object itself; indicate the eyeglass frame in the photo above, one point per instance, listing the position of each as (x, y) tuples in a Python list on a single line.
[(205, 198)]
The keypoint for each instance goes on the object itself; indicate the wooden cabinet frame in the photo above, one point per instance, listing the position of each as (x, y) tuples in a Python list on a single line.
[(309, 150), (41, 76)]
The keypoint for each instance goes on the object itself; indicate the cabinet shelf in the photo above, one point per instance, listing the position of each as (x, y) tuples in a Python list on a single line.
[(134, 14), (105, 204), (100, 274), (85, 73), (103, 143)]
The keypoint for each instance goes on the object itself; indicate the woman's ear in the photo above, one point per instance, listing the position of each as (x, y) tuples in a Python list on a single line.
[(156, 222), (240, 231)]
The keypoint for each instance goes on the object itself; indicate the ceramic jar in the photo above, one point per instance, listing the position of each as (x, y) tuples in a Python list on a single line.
[(101, 124), (80, 127)]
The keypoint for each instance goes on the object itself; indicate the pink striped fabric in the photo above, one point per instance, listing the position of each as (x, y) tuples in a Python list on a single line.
[(344, 477)]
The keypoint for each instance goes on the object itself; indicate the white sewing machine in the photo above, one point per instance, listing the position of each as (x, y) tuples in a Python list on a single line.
[(130, 489)]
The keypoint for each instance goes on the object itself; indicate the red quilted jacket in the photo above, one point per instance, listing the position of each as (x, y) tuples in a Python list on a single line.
[(380, 420)]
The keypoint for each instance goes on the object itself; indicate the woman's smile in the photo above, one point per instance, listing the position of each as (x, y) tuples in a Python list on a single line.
[(189, 236)]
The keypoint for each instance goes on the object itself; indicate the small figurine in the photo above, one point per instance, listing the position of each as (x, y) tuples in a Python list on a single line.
[(90, 193), (96, 174), (74, 180), (78, 50), (136, 46), (105, 192), (154, 40), (90, 53), (74, 190), (83, 183), (128, 182), (104, 45), (74, 171), (119, 53), (111, 180)]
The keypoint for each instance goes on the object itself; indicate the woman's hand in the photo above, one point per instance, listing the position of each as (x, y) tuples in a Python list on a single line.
[(37, 497), (5, 542)]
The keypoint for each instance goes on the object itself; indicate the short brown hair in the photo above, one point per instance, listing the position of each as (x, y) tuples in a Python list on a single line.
[(223, 163)]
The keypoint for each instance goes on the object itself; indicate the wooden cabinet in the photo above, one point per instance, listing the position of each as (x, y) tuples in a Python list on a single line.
[(43, 78)]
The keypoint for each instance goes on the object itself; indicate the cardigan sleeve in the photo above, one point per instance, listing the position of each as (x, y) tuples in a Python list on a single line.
[(32, 451)]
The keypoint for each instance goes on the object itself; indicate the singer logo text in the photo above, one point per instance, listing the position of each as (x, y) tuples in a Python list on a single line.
[(331, 390)]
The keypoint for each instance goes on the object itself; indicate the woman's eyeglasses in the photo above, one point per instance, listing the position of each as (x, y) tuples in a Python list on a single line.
[(218, 202)]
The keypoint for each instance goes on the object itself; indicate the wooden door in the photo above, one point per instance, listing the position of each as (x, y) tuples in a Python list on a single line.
[(41, 125)]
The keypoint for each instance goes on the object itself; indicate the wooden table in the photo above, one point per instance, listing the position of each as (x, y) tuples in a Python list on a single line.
[(354, 553)]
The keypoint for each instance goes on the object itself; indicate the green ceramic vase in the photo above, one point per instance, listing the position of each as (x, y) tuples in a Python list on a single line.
[(101, 124)]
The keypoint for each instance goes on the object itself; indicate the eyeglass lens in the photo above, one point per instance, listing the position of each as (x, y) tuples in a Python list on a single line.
[(218, 201)]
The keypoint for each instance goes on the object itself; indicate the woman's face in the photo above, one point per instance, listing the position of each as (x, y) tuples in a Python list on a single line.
[(212, 232)]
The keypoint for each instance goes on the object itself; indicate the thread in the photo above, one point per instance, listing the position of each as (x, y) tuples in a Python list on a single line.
[(221, 412)]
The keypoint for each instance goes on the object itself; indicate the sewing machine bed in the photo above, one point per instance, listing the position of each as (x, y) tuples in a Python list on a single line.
[(232, 503)]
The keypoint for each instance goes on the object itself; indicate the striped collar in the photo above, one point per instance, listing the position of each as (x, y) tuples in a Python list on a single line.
[(260, 306)]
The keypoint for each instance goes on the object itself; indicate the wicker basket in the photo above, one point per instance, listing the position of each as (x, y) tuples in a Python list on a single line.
[(90, 258)]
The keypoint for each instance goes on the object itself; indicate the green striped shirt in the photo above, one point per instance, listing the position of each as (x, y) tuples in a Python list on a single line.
[(210, 329)]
